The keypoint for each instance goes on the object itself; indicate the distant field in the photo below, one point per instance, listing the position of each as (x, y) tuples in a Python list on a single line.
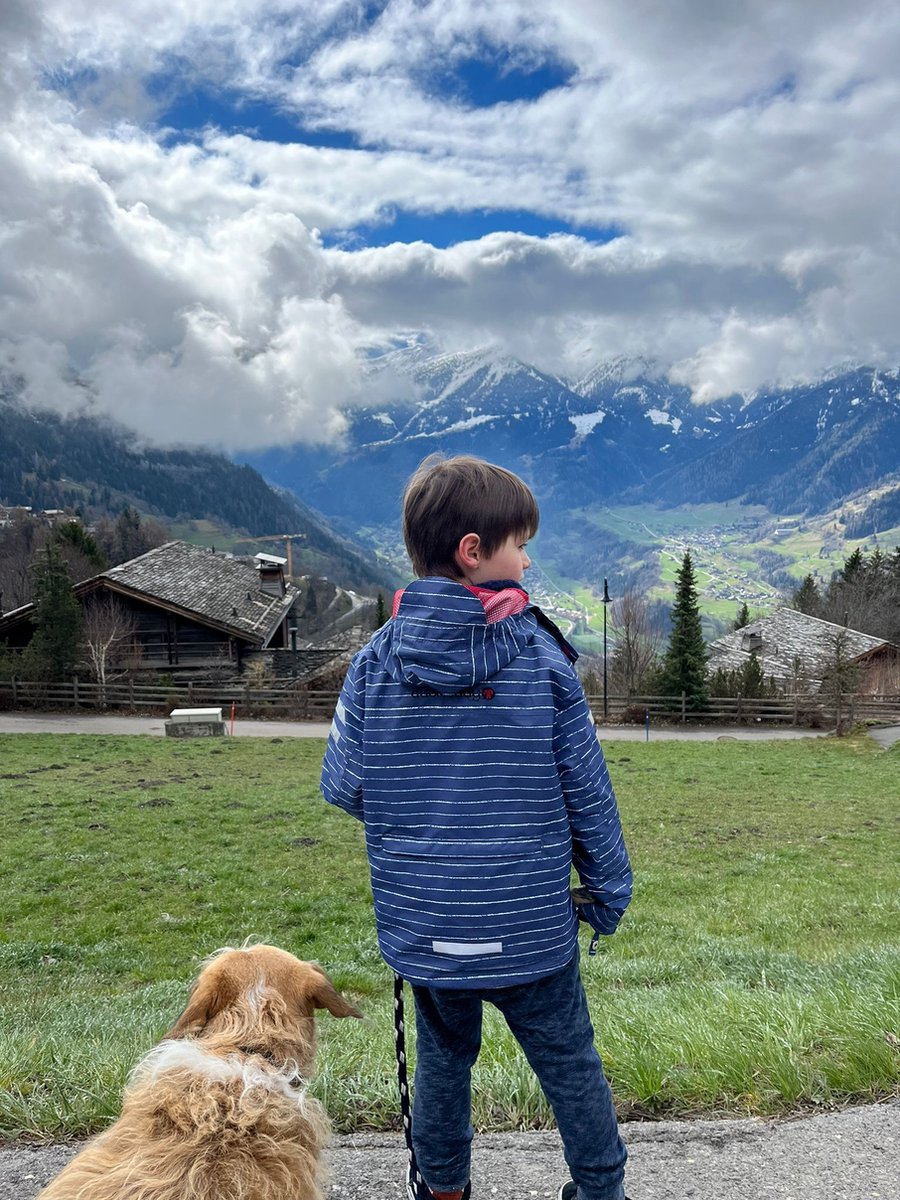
[(756, 972), (723, 539)]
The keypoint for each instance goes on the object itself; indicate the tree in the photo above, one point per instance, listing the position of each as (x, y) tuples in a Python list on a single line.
[(57, 617), (381, 612), (637, 641), (807, 598), (840, 677), (130, 535), (109, 648), (747, 680), (743, 617), (684, 666)]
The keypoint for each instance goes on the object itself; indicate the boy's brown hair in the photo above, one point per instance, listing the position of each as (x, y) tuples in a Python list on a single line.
[(447, 498)]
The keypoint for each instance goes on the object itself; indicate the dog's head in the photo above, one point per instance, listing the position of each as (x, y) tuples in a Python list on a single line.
[(263, 999)]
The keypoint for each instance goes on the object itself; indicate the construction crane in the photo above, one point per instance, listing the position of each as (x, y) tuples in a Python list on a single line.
[(287, 538)]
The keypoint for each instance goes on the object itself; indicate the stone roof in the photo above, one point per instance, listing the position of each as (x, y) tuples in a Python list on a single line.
[(215, 588), (786, 635)]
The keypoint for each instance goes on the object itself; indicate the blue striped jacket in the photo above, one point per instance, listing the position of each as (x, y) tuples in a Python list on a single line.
[(469, 752)]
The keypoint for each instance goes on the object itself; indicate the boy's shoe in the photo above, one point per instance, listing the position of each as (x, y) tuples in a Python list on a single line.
[(569, 1191)]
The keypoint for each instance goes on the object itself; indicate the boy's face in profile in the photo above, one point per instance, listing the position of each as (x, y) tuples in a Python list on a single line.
[(509, 560)]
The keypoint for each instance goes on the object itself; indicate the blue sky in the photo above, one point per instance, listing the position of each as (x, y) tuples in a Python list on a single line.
[(215, 214)]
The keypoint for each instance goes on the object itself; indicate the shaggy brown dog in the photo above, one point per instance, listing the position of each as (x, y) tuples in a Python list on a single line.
[(219, 1110)]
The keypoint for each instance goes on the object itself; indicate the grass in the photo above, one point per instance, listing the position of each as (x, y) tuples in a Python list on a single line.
[(756, 971)]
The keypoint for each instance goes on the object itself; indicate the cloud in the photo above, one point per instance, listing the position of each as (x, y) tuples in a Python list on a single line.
[(178, 279)]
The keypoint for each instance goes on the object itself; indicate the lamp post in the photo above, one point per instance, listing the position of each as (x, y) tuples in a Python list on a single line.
[(606, 602)]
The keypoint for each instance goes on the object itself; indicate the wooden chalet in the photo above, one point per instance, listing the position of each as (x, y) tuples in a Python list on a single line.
[(189, 606), (791, 646)]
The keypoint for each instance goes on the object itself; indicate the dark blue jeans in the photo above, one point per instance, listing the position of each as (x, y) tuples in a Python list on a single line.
[(550, 1020)]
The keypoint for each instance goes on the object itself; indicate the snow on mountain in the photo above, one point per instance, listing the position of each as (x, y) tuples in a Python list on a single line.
[(637, 437)]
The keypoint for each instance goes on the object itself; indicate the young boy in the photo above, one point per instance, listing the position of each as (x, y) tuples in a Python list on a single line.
[(463, 741)]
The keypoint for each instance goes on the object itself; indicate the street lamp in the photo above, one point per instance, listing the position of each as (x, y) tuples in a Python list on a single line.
[(606, 602)]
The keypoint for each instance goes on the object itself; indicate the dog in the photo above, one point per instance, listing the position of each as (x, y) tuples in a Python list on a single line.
[(219, 1109)]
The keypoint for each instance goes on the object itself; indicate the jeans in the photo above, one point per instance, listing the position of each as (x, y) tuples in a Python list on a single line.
[(550, 1020)]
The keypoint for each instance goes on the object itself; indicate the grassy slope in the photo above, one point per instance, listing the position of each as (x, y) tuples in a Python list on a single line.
[(651, 529), (756, 971)]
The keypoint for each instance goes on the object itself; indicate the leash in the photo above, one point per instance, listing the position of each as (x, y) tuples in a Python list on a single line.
[(415, 1184)]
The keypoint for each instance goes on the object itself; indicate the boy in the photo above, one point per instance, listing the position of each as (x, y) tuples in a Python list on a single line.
[(463, 741)]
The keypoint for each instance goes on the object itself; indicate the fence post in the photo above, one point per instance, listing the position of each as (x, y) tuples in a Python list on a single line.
[(15, 693), (683, 706), (131, 693), (75, 690), (852, 709), (740, 707), (796, 716), (190, 693)]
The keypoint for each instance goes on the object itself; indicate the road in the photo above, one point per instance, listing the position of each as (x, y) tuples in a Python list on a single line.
[(850, 1155), (20, 722)]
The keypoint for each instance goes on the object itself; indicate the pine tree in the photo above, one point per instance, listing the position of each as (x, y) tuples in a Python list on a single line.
[(381, 612), (743, 617), (684, 668), (807, 599), (57, 617)]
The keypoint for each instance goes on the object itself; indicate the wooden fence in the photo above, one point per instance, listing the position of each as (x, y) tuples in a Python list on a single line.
[(300, 703)]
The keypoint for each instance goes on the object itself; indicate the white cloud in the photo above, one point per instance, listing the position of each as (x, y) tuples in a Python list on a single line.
[(749, 154)]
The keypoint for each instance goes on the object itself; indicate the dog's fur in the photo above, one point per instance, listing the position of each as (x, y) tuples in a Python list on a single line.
[(219, 1110)]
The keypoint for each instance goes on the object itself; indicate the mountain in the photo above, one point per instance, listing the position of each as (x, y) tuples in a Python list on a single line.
[(50, 461), (801, 450), (622, 433)]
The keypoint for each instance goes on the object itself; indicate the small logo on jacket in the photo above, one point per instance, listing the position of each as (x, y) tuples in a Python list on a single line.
[(488, 693)]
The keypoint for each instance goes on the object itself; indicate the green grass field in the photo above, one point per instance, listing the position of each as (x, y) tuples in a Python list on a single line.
[(756, 972)]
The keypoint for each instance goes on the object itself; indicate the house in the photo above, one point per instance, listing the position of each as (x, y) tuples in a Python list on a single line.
[(796, 649), (189, 606)]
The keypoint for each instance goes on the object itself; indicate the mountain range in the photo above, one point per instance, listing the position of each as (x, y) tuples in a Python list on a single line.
[(622, 434)]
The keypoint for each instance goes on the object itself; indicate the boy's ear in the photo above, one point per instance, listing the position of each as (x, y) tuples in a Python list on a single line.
[(468, 552)]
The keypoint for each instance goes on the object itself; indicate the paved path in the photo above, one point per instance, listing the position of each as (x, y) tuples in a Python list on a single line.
[(852, 1155), (20, 722), (887, 736)]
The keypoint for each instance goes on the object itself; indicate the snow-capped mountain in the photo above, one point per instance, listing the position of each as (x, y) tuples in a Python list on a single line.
[(621, 433)]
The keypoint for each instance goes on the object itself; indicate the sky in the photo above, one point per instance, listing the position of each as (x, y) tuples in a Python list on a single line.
[(215, 213)]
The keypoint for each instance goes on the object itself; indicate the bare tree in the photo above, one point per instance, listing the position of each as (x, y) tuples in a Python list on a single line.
[(840, 677), (109, 640), (638, 643), (19, 542)]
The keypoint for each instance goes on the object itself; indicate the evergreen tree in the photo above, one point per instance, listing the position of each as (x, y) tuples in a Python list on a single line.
[(74, 534), (684, 667), (381, 612), (807, 599), (57, 617), (743, 617)]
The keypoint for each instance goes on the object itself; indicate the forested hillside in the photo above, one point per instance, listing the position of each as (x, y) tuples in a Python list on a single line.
[(48, 461)]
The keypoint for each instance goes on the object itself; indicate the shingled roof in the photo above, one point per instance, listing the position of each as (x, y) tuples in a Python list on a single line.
[(785, 636), (214, 588)]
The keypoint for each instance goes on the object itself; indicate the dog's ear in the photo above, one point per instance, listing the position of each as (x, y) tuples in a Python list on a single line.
[(325, 995), (210, 996)]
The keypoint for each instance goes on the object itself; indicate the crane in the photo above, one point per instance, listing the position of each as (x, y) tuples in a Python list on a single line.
[(287, 538)]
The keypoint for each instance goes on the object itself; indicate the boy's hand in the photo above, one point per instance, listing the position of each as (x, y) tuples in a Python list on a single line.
[(593, 914)]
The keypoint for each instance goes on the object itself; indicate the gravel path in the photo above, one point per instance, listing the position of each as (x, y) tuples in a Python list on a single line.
[(79, 723), (851, 1155)]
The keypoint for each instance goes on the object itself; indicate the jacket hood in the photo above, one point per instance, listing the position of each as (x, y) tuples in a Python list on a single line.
[(440, 638)]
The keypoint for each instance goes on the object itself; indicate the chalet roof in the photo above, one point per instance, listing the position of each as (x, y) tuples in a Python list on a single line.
[(217, 588), (784, 636)]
